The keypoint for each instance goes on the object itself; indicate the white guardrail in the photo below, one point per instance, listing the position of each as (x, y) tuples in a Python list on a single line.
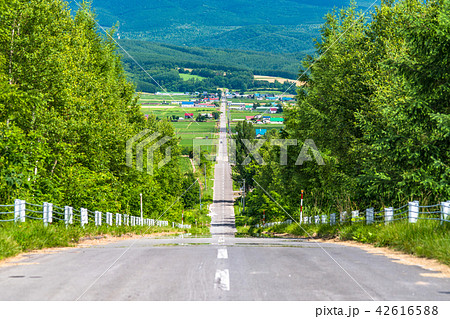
[(411, 212), (20, 211)]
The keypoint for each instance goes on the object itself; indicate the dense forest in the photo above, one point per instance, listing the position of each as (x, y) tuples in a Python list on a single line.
[(376, 104), (278, 26), (66, 112), (162, 61), (210, 81)]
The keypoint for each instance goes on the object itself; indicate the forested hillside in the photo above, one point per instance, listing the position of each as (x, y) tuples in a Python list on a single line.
[(376, 105), (66, 112), (279, 26), (222, 68)]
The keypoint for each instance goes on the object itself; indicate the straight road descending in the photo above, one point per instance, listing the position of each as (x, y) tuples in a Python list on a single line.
[(222, 212), (218, 268)]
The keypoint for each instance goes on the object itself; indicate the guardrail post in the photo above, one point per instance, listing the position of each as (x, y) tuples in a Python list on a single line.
[(369, 215), (68, 215), (388, 215), (132, 221), (22, 211), (96, 217), (413, 211), (316, 219), (342, 216), (332, 219), (19, 210), (50, 212), (47, 213), (355, 216), (83, 216), (324, 219), (17, 203), (110, 219), (445, 211)]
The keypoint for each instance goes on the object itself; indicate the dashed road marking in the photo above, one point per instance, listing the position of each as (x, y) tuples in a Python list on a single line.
[(222, 253), (222, 279)]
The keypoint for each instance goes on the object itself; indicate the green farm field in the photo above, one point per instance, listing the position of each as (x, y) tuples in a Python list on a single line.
[(236, 115), (178, 111), (152, 98), (187, 77), (260, 126)]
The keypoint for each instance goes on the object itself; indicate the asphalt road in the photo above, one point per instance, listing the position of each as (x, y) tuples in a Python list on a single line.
[(220, 267)]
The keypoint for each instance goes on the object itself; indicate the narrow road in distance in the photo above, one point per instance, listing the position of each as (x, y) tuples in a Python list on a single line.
[(222, 211)]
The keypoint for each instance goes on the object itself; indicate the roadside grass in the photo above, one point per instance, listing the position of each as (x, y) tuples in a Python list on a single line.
[(32, 235), (425, 238), (185, 165)]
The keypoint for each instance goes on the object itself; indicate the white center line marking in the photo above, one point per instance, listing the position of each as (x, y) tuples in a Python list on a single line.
[(222, 253), (222, 279)]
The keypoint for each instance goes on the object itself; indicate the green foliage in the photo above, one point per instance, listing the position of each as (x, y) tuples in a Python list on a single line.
[(66, 113), (376, 105), (212, 68), (278, 26)]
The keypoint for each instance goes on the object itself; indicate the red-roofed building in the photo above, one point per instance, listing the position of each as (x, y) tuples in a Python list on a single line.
[(188, 115), (249, 118)]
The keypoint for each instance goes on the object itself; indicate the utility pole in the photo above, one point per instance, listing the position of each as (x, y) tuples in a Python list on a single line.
[(301, 208), (200, 194), (243, 204), (142, 211), (182, 217), (264, 217), (204, 168)]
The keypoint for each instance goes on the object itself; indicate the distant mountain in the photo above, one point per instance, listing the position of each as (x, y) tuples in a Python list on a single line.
[(272, 26)]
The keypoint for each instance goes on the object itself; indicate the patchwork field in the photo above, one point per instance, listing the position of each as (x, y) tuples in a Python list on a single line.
[(260, 126), (272, 79), (163, 113), (236, 115), (189, 130)]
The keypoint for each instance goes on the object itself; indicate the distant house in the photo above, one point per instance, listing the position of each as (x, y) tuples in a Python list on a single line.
[(287, 98), (273, 110), (277, 120), (187, 104), (249, 118), (188, 115), (260, 132)]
